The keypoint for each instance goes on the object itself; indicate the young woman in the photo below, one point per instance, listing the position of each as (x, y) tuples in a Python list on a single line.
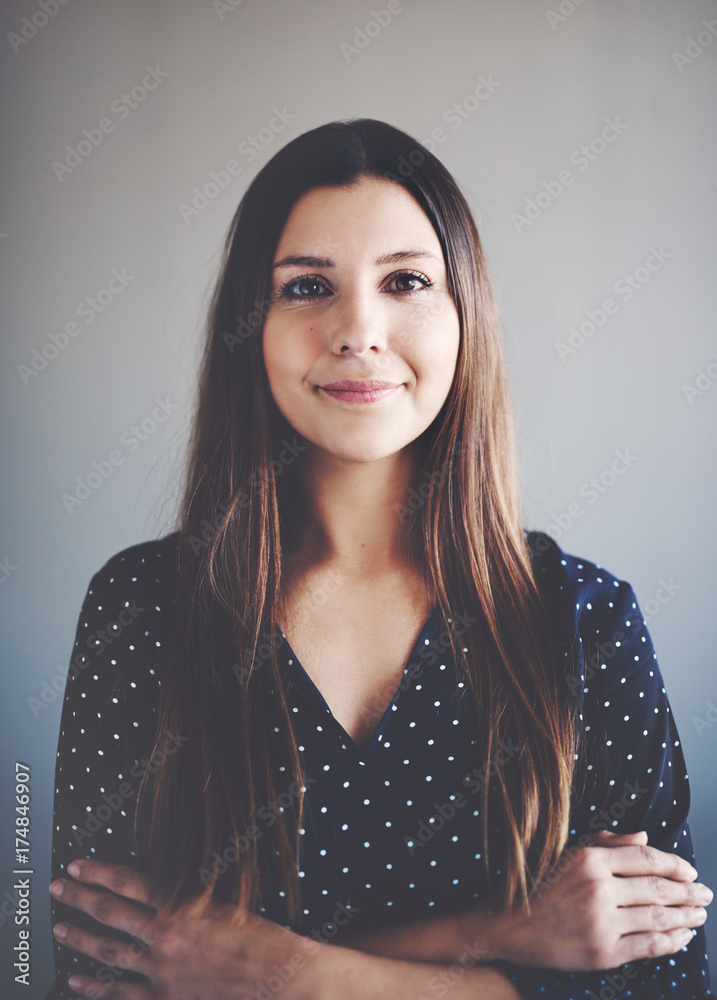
[(351, 730)]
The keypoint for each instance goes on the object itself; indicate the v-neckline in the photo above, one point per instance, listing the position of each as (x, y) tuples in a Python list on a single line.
[(298, 677)]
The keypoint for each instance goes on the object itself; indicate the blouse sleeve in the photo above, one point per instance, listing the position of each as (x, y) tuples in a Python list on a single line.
[(635, 780), (106, 718)]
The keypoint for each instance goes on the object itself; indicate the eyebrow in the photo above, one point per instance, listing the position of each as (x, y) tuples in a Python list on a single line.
[(389, 258)]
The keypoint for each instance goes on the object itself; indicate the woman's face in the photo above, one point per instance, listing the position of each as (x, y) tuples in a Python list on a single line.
[(351, 314)]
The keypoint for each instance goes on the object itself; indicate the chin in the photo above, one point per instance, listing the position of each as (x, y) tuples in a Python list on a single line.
[(371, 450)]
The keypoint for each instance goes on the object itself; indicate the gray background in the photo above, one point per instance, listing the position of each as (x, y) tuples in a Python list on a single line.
[(230, 68)]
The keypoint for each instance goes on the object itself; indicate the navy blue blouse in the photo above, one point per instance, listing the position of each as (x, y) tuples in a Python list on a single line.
[(391, 831)]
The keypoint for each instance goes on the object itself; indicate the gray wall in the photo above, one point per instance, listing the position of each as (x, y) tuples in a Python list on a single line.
[(545, 85)]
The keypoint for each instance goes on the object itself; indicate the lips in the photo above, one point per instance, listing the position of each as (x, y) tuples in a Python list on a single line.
[(352, 391), (369, 385)]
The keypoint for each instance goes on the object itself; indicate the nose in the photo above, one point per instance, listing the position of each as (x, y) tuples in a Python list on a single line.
[(358, 324)]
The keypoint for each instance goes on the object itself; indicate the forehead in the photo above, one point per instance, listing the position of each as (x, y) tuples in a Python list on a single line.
[(367, 216)]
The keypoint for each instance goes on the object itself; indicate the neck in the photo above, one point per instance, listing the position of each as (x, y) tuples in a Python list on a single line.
[(349, 513)]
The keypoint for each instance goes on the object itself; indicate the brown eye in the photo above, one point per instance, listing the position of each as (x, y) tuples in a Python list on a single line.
[(408, 276)]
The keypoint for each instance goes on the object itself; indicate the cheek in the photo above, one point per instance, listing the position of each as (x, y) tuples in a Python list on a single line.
[(286, 359), (274, 348), (436, 366)]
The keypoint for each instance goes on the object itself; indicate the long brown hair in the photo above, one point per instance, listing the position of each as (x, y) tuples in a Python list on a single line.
[(236, 517)]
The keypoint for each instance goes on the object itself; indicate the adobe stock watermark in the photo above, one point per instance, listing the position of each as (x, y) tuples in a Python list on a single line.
[(461, 111), (32, 25), (695, 46), (709, 720), (113, 802), (107, 976), (224, 7), (97, 642), (10, 905), (433, 651), (617, 982), (430, 481), (446, 811), (331, 581), (6, 569), (605, 651), (439, 984), (705, 379), (624, 289), (663, 595), (246, 327), (329, 929), (219, 180), (600, 820), (263, 655), (422, 319), (565, 9), (455, 116), (87, 309), (591, 491), (130, 440), (284, 973), (362, 37), (289, 453), (268, 814), (121, 107), (581, 158)]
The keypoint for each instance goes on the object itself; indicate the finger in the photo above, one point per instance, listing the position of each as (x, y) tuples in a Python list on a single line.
[(641, 890), (113, 990), (133, 955), (646, 860), (109, 909), (634, 919), (121, 879), (652, 945), (614, 835), (611, 839)]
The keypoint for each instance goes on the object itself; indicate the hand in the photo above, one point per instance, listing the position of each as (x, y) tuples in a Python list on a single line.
[(182, 956), (587, 917)]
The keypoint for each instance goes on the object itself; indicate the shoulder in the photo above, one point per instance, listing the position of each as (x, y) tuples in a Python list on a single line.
[(594, 612), (142, 575), (147, 563), (584, 587), (575, 574), (126, 608), (114, 679)]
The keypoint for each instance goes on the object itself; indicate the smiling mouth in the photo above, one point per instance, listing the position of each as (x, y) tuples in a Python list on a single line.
[(368, 391)]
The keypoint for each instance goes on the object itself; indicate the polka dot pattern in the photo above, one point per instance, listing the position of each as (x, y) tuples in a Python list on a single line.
[(391, 833), (632, 773)]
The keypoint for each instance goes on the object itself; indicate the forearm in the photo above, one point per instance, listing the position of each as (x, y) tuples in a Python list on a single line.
[(348, 974), (438, 939)]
